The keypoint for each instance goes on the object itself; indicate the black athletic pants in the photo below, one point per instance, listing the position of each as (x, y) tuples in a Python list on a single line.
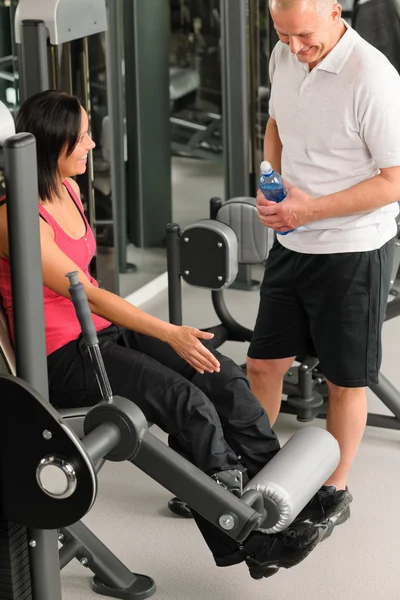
[(213, 419)]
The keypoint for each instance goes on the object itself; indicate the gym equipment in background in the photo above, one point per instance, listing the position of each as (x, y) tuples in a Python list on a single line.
[(53, 40), (378, 22)]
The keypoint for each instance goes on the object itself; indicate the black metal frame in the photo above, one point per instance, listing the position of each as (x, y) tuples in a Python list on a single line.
[(30, 344), (304, 385)]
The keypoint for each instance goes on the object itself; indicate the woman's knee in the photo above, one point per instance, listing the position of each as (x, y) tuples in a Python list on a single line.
[(189, 397)]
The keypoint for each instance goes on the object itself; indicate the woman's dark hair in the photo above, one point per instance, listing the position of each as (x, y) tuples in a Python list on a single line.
[(54, 118)]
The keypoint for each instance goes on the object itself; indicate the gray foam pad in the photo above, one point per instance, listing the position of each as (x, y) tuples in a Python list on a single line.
[(295, 474), (242, 216)]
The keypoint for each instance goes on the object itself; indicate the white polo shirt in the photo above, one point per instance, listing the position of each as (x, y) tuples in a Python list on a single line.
[(339, 124)]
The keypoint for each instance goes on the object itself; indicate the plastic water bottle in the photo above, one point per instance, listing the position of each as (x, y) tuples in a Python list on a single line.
[(272, 186)]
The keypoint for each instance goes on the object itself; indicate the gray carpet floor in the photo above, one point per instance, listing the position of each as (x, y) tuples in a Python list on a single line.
[(359, 562)]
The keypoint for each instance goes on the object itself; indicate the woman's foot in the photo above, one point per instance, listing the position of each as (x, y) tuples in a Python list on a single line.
[(180, 508), (270, 552)]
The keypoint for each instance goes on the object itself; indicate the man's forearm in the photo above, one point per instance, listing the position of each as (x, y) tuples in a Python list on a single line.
[(273, 145), (366, 196)]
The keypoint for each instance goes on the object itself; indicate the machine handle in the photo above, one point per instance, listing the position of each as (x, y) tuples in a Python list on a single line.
[(81, 305)]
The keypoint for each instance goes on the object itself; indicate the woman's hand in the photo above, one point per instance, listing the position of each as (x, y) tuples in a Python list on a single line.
[(186, 342)]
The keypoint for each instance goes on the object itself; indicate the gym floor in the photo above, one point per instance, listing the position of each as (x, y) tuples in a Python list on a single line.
[(358, 562)]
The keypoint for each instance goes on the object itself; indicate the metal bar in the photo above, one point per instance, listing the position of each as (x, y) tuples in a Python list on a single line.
[(25, 260), (98, 557), (34, 68), (7, 60), (68, 552), (91, 207), (254, 79), (215, 205), (45, 565), (7, 76), (174, 276), (373, 419), (388, 394), (235, 112), (55, 71), (104, 222), (89, 333), (383, 421), (116, 112), (237, 332), (101, 373), (392, 309), (183, 479), (28, 316), (148, 112), (213, 116), (99, 442), (187, 124)]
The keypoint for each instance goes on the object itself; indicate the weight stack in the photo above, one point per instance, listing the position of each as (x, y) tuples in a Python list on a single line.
[(15, 573)]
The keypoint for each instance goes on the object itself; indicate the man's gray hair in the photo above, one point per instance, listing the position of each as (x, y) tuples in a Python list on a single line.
[(323, 7)]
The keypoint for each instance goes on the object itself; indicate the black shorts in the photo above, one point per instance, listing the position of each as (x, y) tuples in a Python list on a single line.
[(331, 306)]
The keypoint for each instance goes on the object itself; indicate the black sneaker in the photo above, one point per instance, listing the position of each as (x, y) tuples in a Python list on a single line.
[(270, 552), (180, 508), (327, 503)]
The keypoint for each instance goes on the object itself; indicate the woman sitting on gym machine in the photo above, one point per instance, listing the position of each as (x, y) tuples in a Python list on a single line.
[(199, 397)]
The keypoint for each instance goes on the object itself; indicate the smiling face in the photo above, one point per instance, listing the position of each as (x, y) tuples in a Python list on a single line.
[(75, 163), (309, 31)]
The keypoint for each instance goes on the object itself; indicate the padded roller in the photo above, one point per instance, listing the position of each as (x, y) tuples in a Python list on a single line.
[(242, 216), (294, 475)]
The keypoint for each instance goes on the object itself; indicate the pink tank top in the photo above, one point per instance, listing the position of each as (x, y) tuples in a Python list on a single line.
[(61, 323)]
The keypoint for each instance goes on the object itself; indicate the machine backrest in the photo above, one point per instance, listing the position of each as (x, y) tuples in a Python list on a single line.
[(242, 216), (6, 346), (73, 416)]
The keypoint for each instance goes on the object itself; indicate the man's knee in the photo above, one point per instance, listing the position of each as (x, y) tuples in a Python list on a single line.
[(338, 393), (275, 368)]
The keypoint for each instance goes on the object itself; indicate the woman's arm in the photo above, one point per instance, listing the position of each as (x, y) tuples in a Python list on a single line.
[(55, 266), (184, 340)]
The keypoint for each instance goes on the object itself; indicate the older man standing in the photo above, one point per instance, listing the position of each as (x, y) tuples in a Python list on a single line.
[(334, 134)]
